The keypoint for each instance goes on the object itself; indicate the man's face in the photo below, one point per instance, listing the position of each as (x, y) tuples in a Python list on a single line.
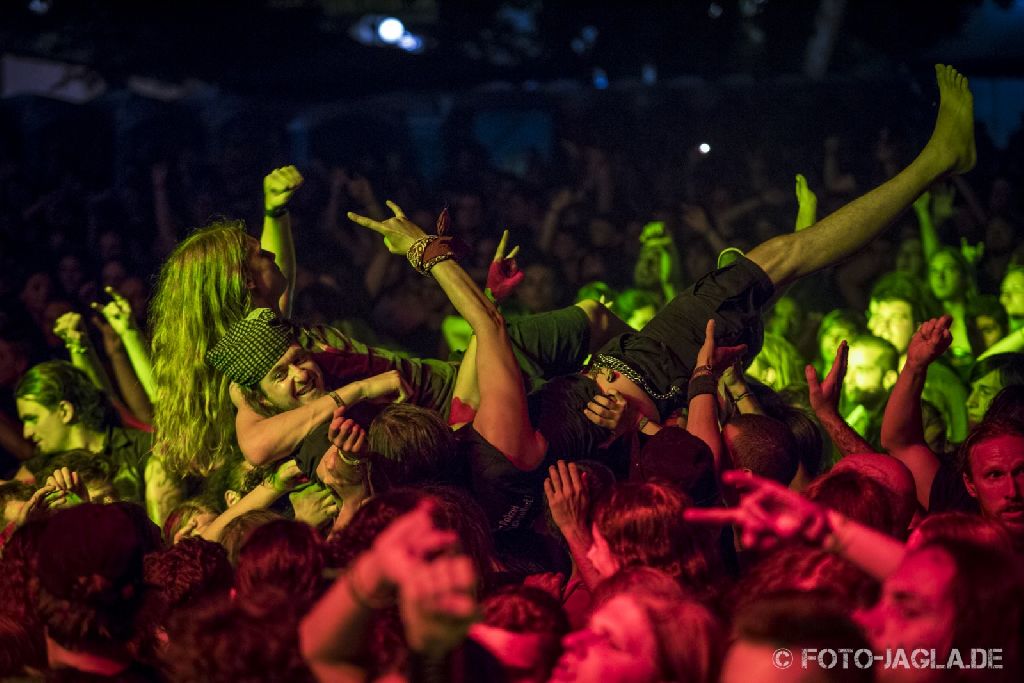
[(983, 390), (893, 321), (294, 381), (867, 376), (996, 469), (1011, 294), (48, 428), (265, 278), (618, 645), (945, 278), (917, 609), (831, 337)]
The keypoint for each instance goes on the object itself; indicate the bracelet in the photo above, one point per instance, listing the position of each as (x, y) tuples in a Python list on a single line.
[(337, 399), (416, 251), (702, 384), (276, 212), (702, 370), (642, 423), (76, 348), (434, 261), (745, 394)]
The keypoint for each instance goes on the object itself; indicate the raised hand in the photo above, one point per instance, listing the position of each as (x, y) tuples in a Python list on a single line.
[(566, 490), (717, 357), (503, 275), (930, 341), (402, 549), (437, 603), (824, 397), (278, 187), (922, 205), (346, 435), (768, 514), (398, 232), (69, 329), (117, 312), (807, 203), (973, 253)]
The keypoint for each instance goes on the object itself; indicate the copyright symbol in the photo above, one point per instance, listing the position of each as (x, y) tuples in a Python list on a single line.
[(782, 658)]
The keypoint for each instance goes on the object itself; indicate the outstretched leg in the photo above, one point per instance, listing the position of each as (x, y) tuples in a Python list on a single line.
[(949, 150)]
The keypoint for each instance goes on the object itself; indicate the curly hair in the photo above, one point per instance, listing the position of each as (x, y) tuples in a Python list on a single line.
[(227, 641), (54, 381), (281, 562), (804, 569), (643, 525), (90, 575), (188, 571), (200, 292), (690, 640), (454, 509)]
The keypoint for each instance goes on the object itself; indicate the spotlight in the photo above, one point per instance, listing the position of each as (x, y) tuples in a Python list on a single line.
[(600, 78), (410, 43), (390, 30), (704, 148)]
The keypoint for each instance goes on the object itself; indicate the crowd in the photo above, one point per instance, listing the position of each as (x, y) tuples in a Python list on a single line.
[(382, 442)]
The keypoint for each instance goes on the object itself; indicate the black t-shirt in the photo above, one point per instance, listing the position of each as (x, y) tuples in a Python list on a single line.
[(948, 492), (127, 451), (663, 353), (509, 496)]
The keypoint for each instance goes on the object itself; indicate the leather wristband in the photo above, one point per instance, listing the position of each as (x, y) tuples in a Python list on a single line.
[(701, 384)]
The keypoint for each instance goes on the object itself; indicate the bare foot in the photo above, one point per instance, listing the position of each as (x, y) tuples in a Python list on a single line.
[(953, 138)]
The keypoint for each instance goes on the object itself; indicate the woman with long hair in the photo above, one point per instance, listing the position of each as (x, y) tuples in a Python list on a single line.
[(212, 279)]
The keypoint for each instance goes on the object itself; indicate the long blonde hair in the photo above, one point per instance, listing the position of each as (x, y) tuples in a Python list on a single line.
[(201, 291)]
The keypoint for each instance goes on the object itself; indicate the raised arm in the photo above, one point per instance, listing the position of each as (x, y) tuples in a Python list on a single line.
[(278, 187), (824, 399), (770, 514), (902, 427), (702, 419), (118, 316), (807, 203), (334, 635), (501, 417), (929, 235)]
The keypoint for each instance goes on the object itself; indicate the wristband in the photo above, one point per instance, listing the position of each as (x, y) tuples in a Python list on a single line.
[(276, 212), (337, 399), (702, 384), (443, 248), (416, 252), (745, 394)]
